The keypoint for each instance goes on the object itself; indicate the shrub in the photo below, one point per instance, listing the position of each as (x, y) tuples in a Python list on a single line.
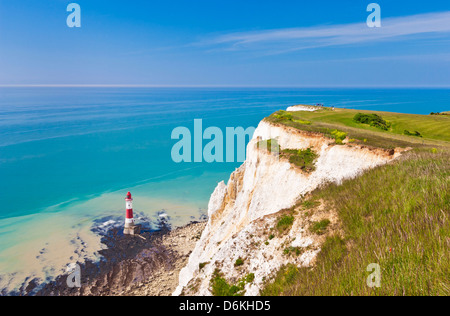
[(339, 136), (437, 113), (373, 120), (301, 158), (283, 115), (415, 133), (239, 262), (250, 278)]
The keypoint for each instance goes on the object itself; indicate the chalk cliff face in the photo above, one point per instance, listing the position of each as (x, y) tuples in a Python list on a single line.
[(241, 211)]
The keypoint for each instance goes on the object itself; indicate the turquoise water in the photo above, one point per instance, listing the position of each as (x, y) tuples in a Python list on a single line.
[(69, 155)]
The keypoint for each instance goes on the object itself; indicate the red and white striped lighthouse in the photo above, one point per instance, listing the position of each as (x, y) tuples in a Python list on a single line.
[(129, 220), (130, 227)]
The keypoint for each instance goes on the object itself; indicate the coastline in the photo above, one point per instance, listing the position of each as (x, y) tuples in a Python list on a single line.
[(37, 248), (144, 265), (163, 282)]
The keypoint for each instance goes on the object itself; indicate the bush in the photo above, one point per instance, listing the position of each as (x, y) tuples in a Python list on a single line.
[(283, 115), (437, 113), (301, 158), (250, 278), (415, 133), (373, 120), (339, 136), (239, 262)]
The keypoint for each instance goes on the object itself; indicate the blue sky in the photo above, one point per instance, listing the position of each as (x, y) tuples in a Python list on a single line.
[(225, 43)]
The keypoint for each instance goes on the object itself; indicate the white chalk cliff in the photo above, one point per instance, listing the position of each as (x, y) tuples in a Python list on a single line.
[(264, 185), (298, 108)]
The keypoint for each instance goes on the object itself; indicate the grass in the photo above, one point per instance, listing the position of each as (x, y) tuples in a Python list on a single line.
[(284, 223), (319, 227), (435, 129), (286, 277), (303, 122), (304, 159), (271, 145), (308, 204), (220, 287), (397, 216)]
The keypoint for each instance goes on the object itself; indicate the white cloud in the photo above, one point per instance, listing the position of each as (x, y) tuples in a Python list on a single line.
[(284, 40)]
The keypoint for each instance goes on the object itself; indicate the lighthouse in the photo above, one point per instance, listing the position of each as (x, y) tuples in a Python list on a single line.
[(130, 227)]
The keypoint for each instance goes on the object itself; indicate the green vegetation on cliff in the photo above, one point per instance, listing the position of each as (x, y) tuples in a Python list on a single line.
[(434, 129), (304, 159), (396, 215)]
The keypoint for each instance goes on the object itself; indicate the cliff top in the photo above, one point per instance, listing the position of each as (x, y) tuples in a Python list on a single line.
[(372, 128)]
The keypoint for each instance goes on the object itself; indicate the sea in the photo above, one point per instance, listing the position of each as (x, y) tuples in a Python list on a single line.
[(69, 155)]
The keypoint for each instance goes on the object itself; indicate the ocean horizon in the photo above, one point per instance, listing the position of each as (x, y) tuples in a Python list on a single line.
[(69, 155)]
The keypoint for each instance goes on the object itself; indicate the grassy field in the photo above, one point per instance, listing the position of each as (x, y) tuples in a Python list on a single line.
[(396, 215), (435, 129)]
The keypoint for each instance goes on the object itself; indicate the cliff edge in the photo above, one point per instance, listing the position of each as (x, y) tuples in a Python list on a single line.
[(238, 243)]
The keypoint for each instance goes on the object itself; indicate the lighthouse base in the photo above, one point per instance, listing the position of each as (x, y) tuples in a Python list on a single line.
[(132, 230)]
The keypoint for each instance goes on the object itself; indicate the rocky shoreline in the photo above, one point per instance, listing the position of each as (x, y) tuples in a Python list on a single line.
[(143, 265), (163, 282)]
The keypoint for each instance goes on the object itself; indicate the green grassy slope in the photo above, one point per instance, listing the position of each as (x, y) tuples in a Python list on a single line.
[(435, 129), (397, 216)]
